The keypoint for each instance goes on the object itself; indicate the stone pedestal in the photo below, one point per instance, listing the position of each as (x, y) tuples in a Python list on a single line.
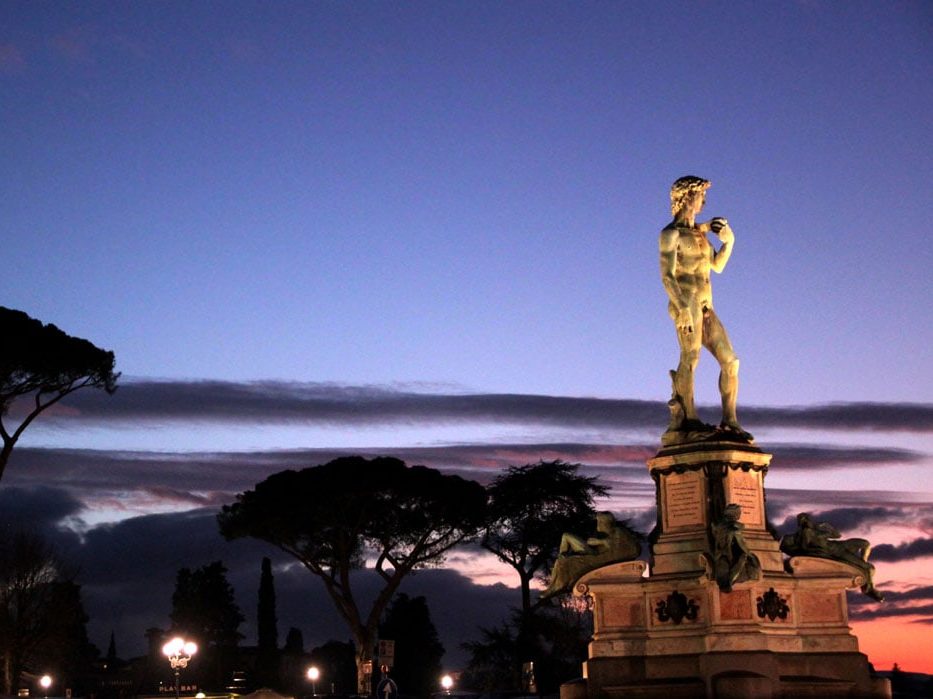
[(673, 632), (693, 487)]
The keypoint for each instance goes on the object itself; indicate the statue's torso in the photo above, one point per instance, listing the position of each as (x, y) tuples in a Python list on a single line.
[(692, 264)]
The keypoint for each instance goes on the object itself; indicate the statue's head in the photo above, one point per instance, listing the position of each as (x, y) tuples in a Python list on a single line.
[(732, 512), (684, 189), (604, 521)]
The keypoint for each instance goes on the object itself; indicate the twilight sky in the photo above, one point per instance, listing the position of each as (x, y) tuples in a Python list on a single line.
[(430, 230)]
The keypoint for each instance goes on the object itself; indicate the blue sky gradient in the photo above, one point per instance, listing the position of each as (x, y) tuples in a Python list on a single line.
[(470, 193)]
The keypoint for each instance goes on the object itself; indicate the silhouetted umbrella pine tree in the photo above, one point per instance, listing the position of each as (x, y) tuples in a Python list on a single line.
[(337, 517), (43, 364)]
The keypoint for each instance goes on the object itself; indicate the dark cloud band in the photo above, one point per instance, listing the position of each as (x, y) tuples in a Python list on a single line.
[(269, 402)]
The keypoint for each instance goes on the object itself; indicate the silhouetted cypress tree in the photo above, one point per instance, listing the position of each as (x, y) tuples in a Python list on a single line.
[(112, 649), (267, 661)]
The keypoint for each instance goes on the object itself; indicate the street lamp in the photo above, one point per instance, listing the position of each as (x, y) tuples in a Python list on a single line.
[(447, 682), (313, 675), (179, 652), (45, 681)]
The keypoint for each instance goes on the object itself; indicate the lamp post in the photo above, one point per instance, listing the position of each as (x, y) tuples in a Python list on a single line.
[(313, 675), (179, 652), (447, 682), (45, 681)]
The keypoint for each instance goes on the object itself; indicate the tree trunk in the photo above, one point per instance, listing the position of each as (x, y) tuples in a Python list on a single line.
[(5, 452), (7, 685), (11, 672), (364, 660), (526, 590)]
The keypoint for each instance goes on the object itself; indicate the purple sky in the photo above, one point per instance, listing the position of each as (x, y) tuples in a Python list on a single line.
[(431, 230)]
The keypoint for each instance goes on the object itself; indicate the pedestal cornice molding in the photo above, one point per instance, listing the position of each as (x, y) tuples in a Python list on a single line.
[(688, 460)]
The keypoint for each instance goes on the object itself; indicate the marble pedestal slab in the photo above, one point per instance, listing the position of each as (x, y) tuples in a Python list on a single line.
[(672, 632)]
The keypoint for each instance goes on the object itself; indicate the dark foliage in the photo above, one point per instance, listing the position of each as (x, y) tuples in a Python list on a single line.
[(42, 618), (337, 663), (530, 507), (204, 610), (42, 362), (553, 638), (293, 665), (910, 685), (331, 517), (294, 641), (418, 650), (267, 658)]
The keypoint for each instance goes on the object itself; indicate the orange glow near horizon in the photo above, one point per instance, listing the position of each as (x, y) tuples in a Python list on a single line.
[(903, 640)]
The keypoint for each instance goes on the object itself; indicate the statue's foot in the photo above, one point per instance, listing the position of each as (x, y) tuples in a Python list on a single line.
[(873, 593), (734, 430), (691, 430), (692, 424)]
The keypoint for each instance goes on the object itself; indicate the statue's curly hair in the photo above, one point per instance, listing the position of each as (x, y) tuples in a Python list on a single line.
[(685, 187)]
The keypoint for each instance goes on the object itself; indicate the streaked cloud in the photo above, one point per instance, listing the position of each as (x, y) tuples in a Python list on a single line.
[(846, 518), (269, 402), (810, 457), (202, 478), (875, 511), (911, 600), (902, 552)]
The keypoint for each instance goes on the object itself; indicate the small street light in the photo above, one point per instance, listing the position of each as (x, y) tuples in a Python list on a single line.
[(46, 681), (447, 682), (313, 675), (179, 652)]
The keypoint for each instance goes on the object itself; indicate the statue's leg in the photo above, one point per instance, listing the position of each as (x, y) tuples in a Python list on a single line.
[(690, 344), (717, 342), (859, 549), (570, 543)]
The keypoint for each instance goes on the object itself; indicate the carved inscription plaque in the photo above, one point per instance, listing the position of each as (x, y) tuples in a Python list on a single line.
[(624, 612), (823, 607), (735, 605), (744, 488), (684, 500)]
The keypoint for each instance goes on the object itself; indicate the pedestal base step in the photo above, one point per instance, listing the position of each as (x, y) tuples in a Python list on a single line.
[(741, 675)]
